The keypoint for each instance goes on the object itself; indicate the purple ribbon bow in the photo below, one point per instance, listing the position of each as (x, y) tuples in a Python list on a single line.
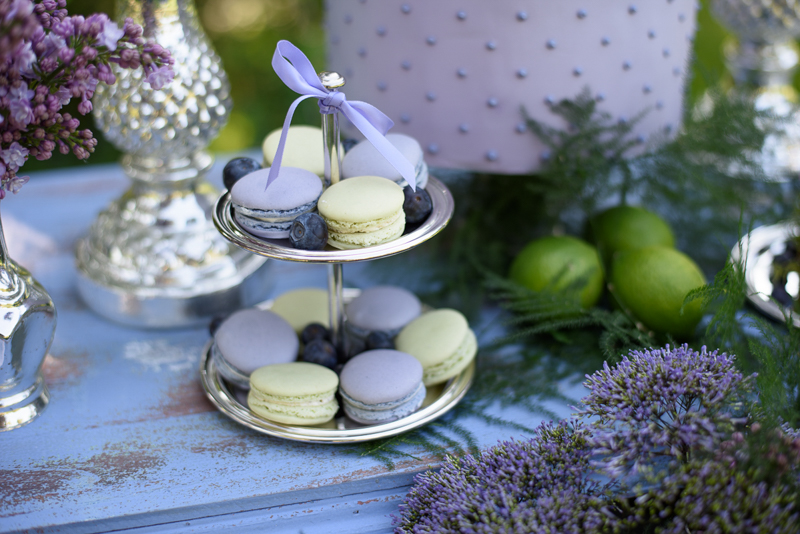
[(296, 71)]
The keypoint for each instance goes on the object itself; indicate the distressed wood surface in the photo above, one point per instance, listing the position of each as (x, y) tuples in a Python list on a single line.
[(129, 440)]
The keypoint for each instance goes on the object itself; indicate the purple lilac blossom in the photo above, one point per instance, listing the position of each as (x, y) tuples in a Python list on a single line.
[(48, 58)]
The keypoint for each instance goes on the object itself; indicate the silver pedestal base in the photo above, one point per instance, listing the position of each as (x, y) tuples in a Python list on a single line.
[(149, 307), (24, 407)]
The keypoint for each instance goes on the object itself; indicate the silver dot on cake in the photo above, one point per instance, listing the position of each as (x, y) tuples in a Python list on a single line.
[(431, 40), (522, 15), (492, 155), (522, 73), (462, 73), (405, 118), (632, 9), (551, 44), (492, 102), (660, 104), (405, 8), (463, 127), (623, 120), (348, 19), (430, 95), (406, 65), (433, 148), (521, 127), (651, 34), (362, 51), (641, 139), (381, 30), (646, 88), (549, 99), (626, 65), (461, 15), (491, 45), (581, 14), (668, 128), (676, 71), (600, 97), (544, 156), (577, 71), (665, 52), (381, 86), (681, 17), (605, 41), (335, 40)]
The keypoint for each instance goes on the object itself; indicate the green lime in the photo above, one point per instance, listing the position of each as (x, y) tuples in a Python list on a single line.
[(652, 284), (556, 263), (628, 228)]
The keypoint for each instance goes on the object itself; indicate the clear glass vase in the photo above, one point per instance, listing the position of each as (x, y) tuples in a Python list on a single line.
[(27, 325)]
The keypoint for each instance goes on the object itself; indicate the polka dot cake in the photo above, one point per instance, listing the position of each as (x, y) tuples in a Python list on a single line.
[(455, 73)]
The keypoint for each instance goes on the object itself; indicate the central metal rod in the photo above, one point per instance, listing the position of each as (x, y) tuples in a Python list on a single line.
[(333, 165)]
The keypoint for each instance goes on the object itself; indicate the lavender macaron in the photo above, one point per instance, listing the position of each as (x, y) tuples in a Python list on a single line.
[(250, 339), (365, 160), (380, 386), (380, 309), (269, 211)]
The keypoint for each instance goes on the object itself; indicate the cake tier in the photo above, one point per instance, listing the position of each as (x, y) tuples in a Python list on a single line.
[(455, 74)]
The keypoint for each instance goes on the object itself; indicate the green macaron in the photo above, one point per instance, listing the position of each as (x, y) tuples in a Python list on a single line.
[(297, 393), (442, 342)]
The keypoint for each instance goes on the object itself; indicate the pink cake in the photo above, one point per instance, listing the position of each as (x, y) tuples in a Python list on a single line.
[(455, 73)]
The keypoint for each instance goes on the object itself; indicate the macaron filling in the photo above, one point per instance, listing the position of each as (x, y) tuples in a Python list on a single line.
[(454, 364), (383, 412)]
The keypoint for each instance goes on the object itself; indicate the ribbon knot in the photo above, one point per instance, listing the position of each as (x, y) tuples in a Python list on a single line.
[(296, 71)]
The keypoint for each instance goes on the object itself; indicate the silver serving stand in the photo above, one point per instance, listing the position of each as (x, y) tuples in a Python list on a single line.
[(439, 400)]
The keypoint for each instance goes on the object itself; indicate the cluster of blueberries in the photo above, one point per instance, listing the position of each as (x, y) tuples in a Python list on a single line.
[(309, 231), (318, 348)]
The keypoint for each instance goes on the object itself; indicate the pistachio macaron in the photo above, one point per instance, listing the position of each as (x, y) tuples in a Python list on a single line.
[(442, 341), (362, 211), (365, 160), (304, 148), (301, 307), (297, 393), (270, 211)]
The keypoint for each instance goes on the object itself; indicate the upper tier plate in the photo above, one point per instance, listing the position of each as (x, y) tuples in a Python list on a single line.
[(280, 249)]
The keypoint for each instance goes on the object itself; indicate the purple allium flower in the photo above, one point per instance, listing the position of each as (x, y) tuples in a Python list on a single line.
[(660, 402), (541, 485)]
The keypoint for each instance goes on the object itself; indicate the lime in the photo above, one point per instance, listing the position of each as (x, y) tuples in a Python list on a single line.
[(556, 263), (628, 228), (652, 284)]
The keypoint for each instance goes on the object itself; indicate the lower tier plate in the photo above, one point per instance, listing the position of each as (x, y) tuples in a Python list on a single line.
[(232, 402)]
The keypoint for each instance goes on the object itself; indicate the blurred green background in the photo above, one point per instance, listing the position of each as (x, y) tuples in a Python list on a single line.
[(244, 33)]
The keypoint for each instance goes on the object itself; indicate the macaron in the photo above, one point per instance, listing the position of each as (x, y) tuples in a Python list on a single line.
[(442, 342), (249, 339), (301, 307), (304, 148), (269, 212), (298, 393), (362, 211), (381, 309), (379, 386), (365, 160)]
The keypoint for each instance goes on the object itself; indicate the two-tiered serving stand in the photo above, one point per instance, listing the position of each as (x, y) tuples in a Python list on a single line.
[(233, 403)]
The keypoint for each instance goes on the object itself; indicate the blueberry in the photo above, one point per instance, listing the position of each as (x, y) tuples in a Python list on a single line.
[(314, 331), (379, 340), (309, 232), (321, 352), (349, 143), (417, 205), (236, 168), (214, 325)]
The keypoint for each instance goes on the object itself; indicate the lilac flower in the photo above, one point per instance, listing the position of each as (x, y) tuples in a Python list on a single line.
[(160, 77), (14, 156), (16, 183), (110, 35), (661, 402)]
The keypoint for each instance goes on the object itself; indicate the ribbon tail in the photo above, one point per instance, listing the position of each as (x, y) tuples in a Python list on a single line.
[(276, 161), (387, 149)]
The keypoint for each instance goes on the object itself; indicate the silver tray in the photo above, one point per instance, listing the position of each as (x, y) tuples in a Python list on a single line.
[(233, 403), (760, 248), (280, 249)]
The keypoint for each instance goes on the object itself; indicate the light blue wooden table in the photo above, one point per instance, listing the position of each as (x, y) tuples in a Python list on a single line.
[(129, 441)]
